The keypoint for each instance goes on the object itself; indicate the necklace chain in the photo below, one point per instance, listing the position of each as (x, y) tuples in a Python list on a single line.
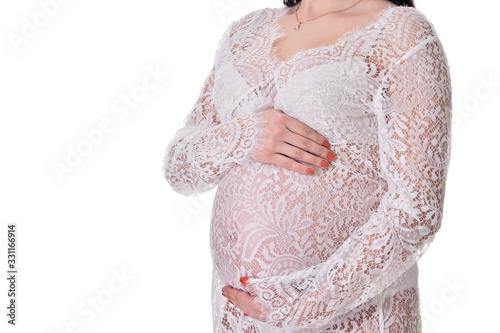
[(297, 27)]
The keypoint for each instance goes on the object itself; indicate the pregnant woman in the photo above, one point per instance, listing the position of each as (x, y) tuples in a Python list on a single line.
[(326, 126)]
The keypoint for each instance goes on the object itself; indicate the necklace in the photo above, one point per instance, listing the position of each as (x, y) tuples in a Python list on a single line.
[(297, 27)]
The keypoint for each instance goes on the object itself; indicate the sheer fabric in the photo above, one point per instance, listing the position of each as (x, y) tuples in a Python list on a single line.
[(336, 251)]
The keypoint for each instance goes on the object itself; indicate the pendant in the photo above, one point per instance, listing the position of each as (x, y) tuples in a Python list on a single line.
[(297, 27)]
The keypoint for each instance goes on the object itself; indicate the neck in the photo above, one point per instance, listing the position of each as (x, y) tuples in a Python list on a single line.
[(310, 8)]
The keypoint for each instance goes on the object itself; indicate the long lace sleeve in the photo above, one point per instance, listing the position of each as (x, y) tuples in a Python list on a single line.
[(413, 108), (205, 148)]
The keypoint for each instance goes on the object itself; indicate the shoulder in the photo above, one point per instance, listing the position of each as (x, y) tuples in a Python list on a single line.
[(411, 41), (244, 25), (256, 14), (254, 18), (407, 27), (241, 27)]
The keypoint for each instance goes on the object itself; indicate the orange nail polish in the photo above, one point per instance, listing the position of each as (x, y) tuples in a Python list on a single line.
[(326, 144), (244, 280), (324, 163), (330, 156), (310, 171)]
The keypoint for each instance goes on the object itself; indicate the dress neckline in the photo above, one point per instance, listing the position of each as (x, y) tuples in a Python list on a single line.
[(277, 31)]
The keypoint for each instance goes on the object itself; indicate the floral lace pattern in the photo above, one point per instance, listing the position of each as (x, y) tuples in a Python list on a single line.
[(336, 251)]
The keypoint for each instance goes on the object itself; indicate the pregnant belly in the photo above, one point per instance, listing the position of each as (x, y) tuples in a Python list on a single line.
[(270, 221)]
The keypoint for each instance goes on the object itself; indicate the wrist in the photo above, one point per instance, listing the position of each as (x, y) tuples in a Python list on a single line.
[(254, 137)]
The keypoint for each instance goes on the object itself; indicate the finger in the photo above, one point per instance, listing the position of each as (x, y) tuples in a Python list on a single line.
[(257, 309), (247, 304), (228, 293), (237, 300), (291, 164), (226, 289), (321, 152), (239, 296), (303, 155), (303, 130)]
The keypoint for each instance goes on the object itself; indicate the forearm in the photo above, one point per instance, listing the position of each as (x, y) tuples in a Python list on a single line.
[(197, 157)]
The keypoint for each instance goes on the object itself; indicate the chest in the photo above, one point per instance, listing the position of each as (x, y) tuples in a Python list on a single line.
[(330, 88), (295, 37)]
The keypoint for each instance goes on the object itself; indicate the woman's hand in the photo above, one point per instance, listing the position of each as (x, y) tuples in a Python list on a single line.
[(244, 301), (290, 140)]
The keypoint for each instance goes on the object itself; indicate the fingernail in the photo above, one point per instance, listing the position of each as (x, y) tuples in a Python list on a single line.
[(245, 314), (326, 144), (223, 294), (324, 163), (330, 156), (310, 171), (230, 301), (244, 280)]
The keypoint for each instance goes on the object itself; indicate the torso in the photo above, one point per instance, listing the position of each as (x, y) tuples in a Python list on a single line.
[(268, 220)]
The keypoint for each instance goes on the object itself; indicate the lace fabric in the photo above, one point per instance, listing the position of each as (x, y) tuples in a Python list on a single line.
[(336, 251)]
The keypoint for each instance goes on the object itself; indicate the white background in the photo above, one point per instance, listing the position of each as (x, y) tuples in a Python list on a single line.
[(114, 213)]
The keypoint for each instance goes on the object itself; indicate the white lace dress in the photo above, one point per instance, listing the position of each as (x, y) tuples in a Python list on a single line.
[(335, 251)]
